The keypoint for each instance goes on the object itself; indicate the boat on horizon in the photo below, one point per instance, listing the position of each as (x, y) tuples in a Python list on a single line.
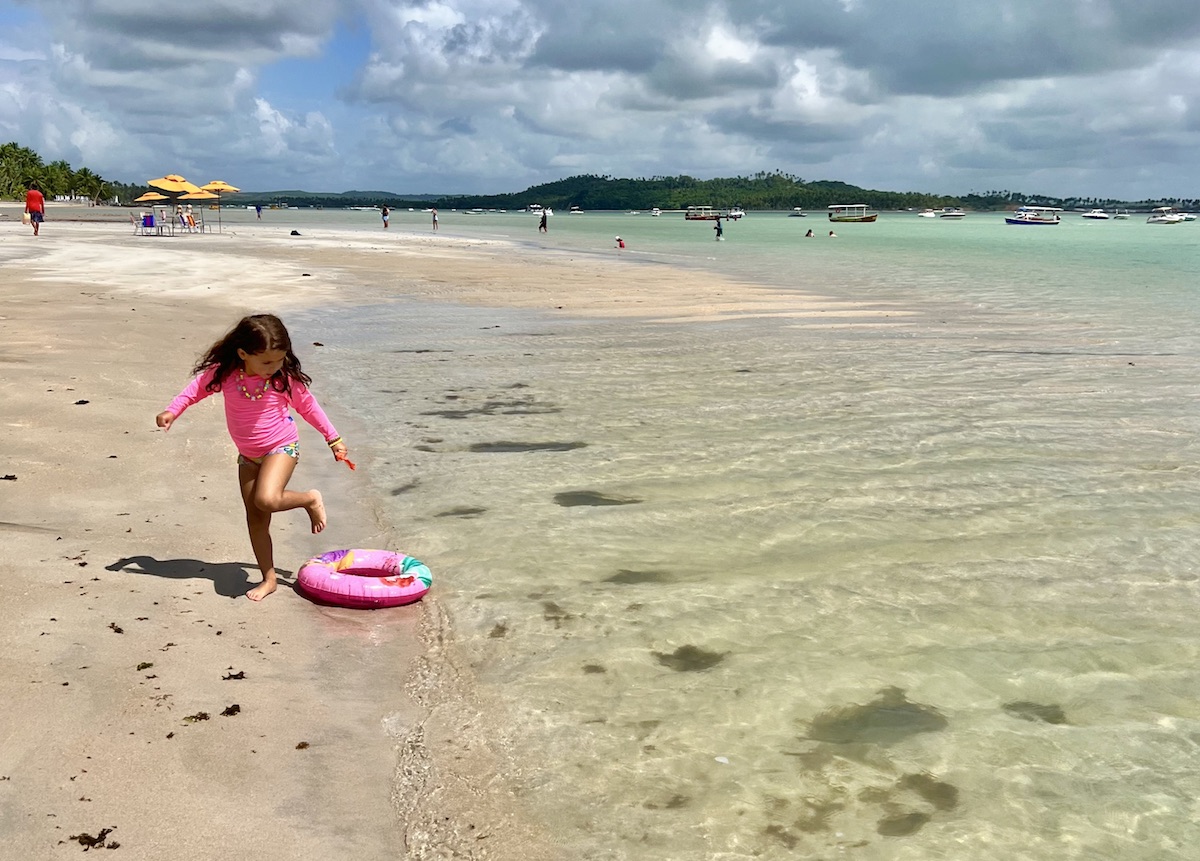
[(951, 212), (1121, 213), (1035, 215), (851, 213), (926, 213), (797, 212), (1165, 215), (1096, 215)]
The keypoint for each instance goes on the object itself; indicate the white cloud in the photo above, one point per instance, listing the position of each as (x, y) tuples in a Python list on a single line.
[(492, 95)]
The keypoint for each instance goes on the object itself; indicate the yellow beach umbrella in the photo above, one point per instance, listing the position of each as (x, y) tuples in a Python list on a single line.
[(220, 186), (149, 196), (173, 184)]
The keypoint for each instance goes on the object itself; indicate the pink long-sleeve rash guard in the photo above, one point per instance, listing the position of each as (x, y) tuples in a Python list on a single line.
[(258, 425)]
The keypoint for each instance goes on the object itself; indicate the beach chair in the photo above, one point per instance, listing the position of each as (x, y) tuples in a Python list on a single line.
[(163, 222), (144, 223)]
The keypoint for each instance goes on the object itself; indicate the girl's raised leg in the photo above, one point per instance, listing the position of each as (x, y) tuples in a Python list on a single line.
[(271, 493)]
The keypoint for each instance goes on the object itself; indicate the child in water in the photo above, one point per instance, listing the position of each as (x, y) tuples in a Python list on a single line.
[(254, 367)]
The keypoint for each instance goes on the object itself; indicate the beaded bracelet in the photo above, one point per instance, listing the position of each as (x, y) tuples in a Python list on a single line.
[(334, 442)]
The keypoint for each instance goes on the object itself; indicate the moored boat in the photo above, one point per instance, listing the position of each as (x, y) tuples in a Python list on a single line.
[(797, 212), (1035, 215), (951, 212), (850, 213), (1096, 215), (926, 213), (1165, 215)]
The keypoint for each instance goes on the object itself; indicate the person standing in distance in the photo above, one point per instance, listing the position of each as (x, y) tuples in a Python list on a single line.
[(435, 223), (35, 205)]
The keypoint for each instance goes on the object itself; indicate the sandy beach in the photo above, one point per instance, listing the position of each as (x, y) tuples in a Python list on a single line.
[(149, 704)]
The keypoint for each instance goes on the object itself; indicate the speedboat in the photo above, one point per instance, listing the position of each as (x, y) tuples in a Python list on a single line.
[(656, 212), (1165, 215), (1121, 213), (1034, 215), (1096, 215), (797, 212), (735, 213), (848, 213), (951, 212), (926, 213), (1188, 216)]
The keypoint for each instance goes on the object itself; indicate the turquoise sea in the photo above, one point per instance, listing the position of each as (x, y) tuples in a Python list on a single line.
[(763, 588)]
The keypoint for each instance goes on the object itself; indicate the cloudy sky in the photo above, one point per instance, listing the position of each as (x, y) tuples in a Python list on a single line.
[(1087, 97)]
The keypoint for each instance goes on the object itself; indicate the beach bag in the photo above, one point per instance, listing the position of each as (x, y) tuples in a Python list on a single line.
[(26, 218)]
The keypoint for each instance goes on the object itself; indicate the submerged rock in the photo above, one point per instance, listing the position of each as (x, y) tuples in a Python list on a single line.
[(902, 824), (690, 659), (1026, 710), (887, 719), (571, 498)]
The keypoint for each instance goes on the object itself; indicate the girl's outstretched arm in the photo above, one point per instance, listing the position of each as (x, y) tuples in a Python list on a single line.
[(194, 392)]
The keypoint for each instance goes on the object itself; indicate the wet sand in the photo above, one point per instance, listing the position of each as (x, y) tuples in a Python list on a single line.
[(150, 704)]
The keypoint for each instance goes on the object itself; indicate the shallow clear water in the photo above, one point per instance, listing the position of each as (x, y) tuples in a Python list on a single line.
[(715, 545)]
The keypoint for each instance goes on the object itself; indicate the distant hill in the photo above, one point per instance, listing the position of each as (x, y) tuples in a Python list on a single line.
[(765, 190)]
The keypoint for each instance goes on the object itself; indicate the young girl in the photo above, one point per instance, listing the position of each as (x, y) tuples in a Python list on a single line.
[(255, 369)]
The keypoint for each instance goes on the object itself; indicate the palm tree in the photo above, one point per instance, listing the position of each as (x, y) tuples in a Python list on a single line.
[(88, 183), (18, 167)]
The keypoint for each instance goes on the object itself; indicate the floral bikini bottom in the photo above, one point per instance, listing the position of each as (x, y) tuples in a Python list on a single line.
[(291, 449)]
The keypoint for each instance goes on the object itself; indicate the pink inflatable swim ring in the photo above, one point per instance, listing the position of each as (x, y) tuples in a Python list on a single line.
[(364, 578)]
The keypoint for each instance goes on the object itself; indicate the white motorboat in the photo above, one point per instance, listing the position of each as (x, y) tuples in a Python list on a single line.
[(735, 213), (1165, 215), (797, 212), (1121, 213), (1096, 215), (656, 212), (951, 212), (1034, 215), (927, 213)]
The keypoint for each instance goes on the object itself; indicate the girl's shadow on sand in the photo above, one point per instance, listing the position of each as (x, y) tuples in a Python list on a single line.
[(228, 578)]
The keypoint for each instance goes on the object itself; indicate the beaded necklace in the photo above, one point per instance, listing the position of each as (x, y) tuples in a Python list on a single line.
[(241, 387)]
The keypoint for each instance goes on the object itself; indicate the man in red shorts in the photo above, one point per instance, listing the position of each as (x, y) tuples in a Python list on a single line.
[(35, 205)]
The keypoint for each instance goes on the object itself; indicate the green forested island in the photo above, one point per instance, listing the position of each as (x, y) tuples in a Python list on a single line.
[(765, 190)]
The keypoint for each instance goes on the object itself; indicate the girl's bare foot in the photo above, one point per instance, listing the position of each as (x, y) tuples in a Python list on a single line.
[(262, 590), (316, 512)]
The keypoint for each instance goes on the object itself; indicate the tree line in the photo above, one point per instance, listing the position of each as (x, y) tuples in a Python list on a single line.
[(770, 190), (21, 167)]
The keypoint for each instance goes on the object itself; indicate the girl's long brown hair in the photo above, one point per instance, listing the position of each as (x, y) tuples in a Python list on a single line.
[(254, 334)]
